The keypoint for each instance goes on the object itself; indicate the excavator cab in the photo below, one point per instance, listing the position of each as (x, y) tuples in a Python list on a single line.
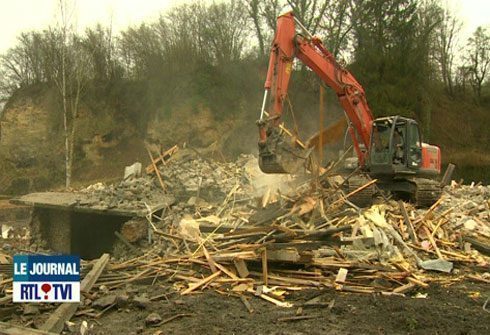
[(396, 146)]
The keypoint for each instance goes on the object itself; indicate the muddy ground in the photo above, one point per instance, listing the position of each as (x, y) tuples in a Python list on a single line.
[(457, 309)]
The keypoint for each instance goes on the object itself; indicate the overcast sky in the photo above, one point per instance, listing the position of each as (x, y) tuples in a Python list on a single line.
[(17, 16)]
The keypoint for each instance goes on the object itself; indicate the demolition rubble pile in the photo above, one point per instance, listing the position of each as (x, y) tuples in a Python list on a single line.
[(187, 176), (241, 233), (132, 193), (230, 233)]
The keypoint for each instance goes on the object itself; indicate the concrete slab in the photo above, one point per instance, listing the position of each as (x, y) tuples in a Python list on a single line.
[(82, 202), (77, 223)]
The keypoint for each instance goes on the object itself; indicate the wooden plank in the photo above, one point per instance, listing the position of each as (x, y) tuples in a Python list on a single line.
[(478, 245), (275, 301), (446, 179), (417, 282), (433, 242), (241, 267), (211, 262), (201, 283), (247, 304), (297, 318), (341, 275), (404, 288), (65, 311), (162, 158), (340, 278), (226, 271), (264, 267), (167, 320), (9, 329), (408, 222), (157, 172), (361, 188)]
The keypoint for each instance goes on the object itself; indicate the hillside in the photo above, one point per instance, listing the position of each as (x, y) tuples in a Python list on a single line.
[(107, 140)]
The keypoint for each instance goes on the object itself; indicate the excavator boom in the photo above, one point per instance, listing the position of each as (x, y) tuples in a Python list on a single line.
[(389, 149), (288, 45)]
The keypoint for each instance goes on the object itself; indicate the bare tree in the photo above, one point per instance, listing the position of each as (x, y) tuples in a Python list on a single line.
[(21, 64), (478, 59), (253, 9), (270, 11), (225, 31), (445, 40), (70, 79), (263, 14), (309, 12), (98, 42), (337, 24)]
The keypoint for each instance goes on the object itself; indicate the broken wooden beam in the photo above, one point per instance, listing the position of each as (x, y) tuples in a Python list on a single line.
[(201, 283), (408, 222), (478, 245), (241, 267), (247, 304), (157, 172), (65, 311), (446, 179), (264, 267), (162, 158), (9, 329)]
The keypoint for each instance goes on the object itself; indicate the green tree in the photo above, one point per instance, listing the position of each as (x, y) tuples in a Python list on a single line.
[(392, 45)]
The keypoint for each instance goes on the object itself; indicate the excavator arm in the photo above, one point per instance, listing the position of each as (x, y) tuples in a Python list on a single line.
[(286, 47), (398, 159)]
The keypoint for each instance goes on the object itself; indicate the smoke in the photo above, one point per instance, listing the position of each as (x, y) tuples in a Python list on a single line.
[(267, 183)]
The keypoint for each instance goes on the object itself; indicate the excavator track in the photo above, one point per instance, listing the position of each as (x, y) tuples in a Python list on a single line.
[(427, 192), (363, 198)]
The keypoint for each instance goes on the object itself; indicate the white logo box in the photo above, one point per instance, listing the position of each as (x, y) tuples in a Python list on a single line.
[(32, 292)]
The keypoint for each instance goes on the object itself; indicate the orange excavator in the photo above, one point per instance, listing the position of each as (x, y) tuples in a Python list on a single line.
[(389, 149)]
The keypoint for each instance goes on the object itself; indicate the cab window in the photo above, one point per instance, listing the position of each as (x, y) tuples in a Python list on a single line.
[(415, 145)]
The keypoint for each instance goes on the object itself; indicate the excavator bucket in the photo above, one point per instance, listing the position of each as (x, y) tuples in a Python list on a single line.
[(283, 163), (270, 164), (281, 154)]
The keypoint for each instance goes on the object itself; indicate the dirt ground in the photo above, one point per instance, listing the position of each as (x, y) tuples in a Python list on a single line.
[(457, 309)]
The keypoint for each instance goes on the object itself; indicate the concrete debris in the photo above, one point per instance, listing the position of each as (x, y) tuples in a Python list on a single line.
[(152, 319), (132, 171), (131, 193), (141, 302), (134, 229), (104, 301), (30, 310), (187, 177), (122, 300), (6, 229), (436, 265)]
